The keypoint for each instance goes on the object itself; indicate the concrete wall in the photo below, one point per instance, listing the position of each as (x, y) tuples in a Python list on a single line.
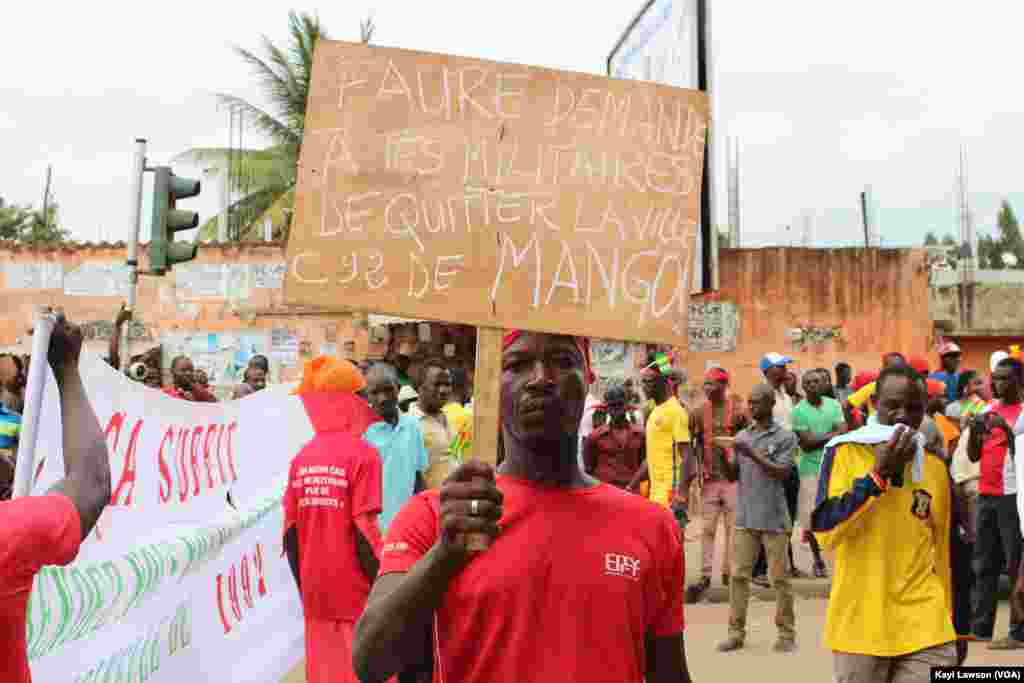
[(876, 299), (228, 299), (231, 297), (994, 309)]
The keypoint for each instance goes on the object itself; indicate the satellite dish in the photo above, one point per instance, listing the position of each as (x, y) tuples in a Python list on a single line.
[(1008, 259)]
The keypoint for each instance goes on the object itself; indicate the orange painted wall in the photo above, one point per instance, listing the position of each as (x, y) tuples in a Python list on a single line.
[(977, 351), (878, 297)]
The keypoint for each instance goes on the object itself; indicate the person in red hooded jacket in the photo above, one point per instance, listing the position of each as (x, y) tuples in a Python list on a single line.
[(331, 505)]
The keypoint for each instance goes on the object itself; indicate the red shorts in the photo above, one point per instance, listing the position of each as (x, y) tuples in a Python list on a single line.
[(329, 651)]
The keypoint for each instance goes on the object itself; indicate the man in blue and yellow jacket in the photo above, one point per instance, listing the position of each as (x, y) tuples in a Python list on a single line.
[(885, 507)]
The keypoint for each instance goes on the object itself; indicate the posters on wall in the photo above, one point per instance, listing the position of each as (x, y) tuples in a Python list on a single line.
[(39, 275), (284, 346), (98, 278), (227, 280), (223, 356), (713, 327)]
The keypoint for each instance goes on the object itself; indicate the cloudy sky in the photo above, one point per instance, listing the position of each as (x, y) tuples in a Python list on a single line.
[(826, 97)]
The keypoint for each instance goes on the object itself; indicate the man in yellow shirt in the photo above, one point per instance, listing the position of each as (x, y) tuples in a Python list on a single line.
[(862, 397), (668, 446), (899, 562)]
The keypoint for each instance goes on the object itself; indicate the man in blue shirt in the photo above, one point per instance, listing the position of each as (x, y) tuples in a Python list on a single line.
[(10, 429), (949, 353), (398, 437)]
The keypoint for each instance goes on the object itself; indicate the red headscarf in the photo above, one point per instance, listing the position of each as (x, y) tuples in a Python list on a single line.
[(864, 378), (716, 375), (921, 365), (935, 388), (583, 343), (892, 353)]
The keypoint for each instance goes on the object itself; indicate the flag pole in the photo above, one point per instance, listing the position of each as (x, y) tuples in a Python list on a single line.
[(37, 375)]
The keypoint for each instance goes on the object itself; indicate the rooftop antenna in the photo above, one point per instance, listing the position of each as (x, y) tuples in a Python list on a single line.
[(734, 192), (969, 246)]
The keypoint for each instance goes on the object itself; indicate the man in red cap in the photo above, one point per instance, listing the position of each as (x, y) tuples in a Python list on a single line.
[(949, 355), (548, 599), (720, 415), (615, 450), (331, 507)]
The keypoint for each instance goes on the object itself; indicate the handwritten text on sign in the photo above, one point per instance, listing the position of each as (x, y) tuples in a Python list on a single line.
[(495, 194)]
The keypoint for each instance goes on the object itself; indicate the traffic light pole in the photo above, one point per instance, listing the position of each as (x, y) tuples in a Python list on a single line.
[(138, 169)]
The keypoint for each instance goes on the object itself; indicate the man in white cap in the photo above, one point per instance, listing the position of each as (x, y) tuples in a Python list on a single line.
[(406, 397), (949, 355), (773, 367), (994, 360)]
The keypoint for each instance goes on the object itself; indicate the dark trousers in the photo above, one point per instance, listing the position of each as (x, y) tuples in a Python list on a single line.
[(792, 488), (998, 547)]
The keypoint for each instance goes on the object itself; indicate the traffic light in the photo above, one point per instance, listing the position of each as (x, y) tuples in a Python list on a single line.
[(164, 252)]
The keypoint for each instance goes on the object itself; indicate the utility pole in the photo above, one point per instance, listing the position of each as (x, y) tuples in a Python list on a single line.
[(225, 202), (966, 222), (734, 192), (46, 197), (864, 218), (134, 211)]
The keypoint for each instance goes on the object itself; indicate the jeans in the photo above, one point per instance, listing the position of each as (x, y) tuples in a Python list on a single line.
[(998, 544), (719, 502), (746, 544)]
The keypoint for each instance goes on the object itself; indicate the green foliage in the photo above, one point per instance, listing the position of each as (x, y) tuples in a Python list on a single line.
[(991, 249), (28, 226), (930, 239), (988, 253), (14, 220), (948, 240), (1010, 241)]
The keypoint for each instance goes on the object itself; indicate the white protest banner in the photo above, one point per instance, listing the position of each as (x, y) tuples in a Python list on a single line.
[(174, 582)]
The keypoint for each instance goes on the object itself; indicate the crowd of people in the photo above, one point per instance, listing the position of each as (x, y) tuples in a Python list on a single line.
[(417, 562)]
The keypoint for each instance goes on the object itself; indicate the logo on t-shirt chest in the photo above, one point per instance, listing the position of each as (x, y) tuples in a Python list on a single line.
[(922, 504), (624, 566)]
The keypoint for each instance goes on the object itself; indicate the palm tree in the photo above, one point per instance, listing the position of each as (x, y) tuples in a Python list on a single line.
[(267, 176)]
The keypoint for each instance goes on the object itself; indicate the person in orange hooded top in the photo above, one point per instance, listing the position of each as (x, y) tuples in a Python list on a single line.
[(331, 505)]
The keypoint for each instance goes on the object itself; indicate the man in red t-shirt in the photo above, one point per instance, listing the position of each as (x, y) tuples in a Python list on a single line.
[(331, 507), (47, 530), (997, 536), (614, 452), (550, 599), (185, 387)]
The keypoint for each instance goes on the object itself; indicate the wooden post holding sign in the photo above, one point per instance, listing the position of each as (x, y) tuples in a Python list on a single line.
[(497, 195), (486, 405)]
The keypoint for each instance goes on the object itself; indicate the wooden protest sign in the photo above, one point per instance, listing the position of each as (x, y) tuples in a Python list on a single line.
[(497, 195)]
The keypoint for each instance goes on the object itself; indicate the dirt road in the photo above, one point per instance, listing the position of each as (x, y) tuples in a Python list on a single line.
[(706, 626)]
